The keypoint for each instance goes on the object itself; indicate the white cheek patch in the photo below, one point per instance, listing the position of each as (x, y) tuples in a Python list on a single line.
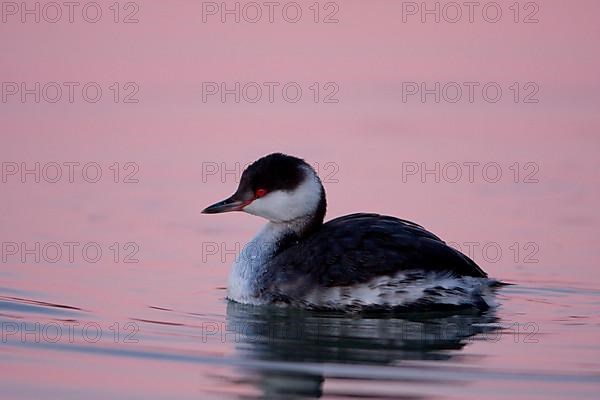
[(282, 206), (275, 206)]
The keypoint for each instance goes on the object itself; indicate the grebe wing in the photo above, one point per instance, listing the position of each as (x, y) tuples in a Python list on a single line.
[(357, 248)]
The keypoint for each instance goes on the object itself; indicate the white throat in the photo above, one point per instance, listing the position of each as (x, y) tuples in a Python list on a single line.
[(248, 267)]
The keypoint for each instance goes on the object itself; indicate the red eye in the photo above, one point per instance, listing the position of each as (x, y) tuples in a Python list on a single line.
[(260, 193)]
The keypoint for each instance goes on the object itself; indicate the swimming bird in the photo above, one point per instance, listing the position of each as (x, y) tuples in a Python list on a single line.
[(355, 262)]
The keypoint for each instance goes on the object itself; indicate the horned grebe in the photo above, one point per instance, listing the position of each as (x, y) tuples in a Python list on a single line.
[(355, 262)]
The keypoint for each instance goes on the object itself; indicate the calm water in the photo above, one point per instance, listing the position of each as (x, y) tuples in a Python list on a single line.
[(160, 328), (112, 284)]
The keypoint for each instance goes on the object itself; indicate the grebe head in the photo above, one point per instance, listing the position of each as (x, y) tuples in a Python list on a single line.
[(280, 188)]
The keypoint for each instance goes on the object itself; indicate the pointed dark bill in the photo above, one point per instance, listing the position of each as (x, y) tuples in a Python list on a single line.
[(231, 204)]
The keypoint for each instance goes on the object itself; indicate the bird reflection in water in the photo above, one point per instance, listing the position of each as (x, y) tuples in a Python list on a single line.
[(293, 342)]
